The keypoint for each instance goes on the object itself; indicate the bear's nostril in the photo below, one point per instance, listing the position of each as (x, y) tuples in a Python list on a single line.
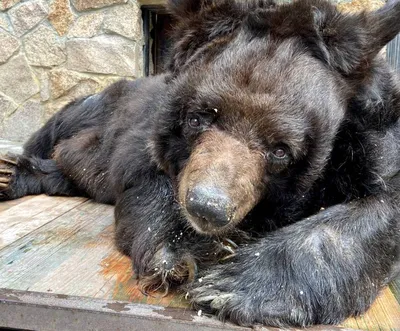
[(209, 203)]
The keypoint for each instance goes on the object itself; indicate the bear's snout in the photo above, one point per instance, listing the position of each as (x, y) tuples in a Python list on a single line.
[(221, 182), (210, 204)]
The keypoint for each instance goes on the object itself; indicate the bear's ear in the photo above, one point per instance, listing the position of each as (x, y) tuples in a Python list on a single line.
[(183, 8), (350, 42), (383, 26)]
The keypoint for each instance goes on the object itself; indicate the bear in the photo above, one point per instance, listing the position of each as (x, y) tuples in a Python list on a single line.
[(259, 173)]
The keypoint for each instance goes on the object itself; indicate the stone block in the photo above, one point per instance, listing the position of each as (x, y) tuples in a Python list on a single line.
[(105, 81), (43, 48), (5, 4), (61, 16), (17, 80), (21, 124), (9, 45), (43, 75), (4, 22), (27, 15), (92, 4), (83, 88), (62, 81), (125, 20), (86, 26), (7, 106), (104, 54)]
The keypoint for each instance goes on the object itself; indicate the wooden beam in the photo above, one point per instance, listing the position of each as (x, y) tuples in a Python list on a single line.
[(47, 312)]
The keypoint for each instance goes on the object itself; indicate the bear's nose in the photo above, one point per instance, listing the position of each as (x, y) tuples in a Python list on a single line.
[(210, 204)]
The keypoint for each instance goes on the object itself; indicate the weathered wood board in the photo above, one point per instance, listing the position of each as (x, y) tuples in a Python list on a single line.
[(64, 246)]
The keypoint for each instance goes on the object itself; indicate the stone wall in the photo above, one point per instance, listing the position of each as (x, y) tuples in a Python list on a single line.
[(52, 51)]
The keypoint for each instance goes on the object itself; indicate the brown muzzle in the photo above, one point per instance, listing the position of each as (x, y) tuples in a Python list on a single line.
[(221, 183)]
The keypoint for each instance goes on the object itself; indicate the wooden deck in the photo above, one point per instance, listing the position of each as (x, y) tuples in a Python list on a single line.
[(57, 259)]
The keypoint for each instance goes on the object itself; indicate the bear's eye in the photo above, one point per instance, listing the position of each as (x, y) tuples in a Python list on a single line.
[(200, 120), (279, 153), (194, 121)]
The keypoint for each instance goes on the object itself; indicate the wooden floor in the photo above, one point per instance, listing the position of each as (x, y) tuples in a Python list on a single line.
[(64, 246)]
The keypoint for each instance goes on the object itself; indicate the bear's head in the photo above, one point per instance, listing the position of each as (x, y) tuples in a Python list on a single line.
[(256, 96)]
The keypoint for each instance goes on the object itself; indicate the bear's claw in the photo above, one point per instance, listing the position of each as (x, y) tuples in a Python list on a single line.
[(167, 270), (7, 174), (8, 160)]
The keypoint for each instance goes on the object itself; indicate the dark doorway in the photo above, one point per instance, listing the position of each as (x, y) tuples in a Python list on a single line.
[(157, 30)]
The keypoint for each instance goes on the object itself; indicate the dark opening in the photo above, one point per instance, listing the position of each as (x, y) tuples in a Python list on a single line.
[(157, 30)]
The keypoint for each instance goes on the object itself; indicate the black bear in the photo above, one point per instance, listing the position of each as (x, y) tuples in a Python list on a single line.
[(260, 173)]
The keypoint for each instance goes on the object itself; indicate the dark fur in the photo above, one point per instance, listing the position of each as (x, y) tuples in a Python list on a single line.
[(324, 237)]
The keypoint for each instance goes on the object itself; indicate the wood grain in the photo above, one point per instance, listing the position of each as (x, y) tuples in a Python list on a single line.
[(8, 204), (30, 259), (29, 215), (384, 315)]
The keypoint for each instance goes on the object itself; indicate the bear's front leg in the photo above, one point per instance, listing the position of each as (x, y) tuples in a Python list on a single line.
[(147, 224), (164, 250), (318, 271)]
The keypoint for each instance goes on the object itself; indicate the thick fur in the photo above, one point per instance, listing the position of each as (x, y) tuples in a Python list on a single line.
[(322, 236)]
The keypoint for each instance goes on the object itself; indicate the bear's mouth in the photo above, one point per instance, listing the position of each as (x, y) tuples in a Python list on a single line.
[(203, 226)]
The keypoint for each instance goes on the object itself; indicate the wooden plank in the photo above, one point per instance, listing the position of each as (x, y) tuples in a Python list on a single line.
[(28, 260), (31, 214), (75, 255), (96, 269), (24, 211), (384, 314), (80, 273), (48, 312), (4, 205)]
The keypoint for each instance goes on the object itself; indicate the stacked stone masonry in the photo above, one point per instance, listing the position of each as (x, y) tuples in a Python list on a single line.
[(53, 51)]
